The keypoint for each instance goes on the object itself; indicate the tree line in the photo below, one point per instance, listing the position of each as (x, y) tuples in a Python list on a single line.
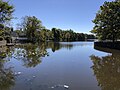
[(32, 28)]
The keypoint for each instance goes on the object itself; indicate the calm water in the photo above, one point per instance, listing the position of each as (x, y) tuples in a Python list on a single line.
[(53, 66)]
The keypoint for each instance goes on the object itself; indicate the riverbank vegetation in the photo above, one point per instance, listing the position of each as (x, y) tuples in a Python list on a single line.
[(107, 21), (33, 29)]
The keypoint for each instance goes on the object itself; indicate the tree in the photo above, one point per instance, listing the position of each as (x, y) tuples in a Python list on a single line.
[(31, 25), (107, 21), (67, 36), (56, 34), (81, 36), (6, 11), (90, 36), (43, 35)]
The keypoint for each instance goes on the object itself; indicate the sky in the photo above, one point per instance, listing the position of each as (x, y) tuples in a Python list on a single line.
[(64, 14)]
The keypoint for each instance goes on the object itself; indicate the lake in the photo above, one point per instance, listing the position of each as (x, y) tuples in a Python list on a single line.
[(59, 66)]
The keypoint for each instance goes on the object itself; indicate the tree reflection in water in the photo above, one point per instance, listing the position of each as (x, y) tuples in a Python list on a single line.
[(57, 46), (30, 54), (107, 71), (7, 78)]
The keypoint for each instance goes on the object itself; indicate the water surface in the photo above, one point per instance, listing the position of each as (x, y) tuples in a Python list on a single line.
[(51, 66)]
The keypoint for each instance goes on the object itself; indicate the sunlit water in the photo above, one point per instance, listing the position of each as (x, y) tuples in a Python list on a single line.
[(58, 66)]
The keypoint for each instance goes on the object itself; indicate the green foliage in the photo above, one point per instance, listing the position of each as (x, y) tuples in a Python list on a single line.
[(36, 32), (6, 11), (18, 32), (67, 35), (31, 25), (56, 34), (107, 21), (41, 34)]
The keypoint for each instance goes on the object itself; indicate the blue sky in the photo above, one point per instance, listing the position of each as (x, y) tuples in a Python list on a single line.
[(65, 14)]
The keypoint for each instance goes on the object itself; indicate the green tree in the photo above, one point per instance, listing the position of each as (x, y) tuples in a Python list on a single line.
[(31, 25), (107, 21), (6, 11), (67, 36), (49, 35), (56, 34), (43, 35), (80, 37), (90, 36)]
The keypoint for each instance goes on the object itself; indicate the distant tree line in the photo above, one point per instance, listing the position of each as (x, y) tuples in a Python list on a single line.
[(34, 30)]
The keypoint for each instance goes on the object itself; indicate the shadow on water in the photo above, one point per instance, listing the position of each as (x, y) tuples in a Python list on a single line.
[(107, 69)]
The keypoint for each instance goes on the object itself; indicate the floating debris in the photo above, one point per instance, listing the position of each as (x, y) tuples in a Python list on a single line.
[(17, 73), (60, 86), (66, 86)]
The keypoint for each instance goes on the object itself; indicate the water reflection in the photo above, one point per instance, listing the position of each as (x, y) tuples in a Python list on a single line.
[(30, 54), (107, 71), (7, 78), (57, 46), (32, 73), (54, 46)]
